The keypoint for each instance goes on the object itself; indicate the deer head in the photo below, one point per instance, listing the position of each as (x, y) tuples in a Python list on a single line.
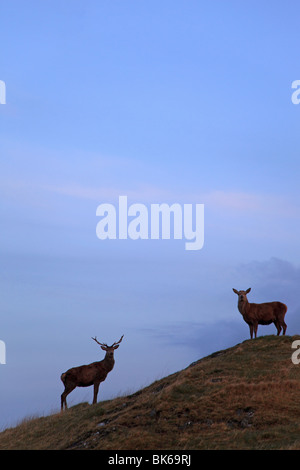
[(109, 349), (242, 294)]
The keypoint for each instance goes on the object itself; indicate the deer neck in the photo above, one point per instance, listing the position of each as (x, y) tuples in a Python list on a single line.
[(243, 306), (108, 363)]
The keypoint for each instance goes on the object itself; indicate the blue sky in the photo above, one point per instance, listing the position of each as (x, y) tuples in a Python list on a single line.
[(177, 102)]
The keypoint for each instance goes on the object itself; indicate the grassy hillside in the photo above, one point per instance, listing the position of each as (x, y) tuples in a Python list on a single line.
[(244, 397)]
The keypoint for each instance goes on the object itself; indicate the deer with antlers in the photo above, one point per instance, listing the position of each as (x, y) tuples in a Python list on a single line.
[(91, 374)]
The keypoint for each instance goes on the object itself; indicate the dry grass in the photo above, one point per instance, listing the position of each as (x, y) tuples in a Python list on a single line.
[(245, 397)]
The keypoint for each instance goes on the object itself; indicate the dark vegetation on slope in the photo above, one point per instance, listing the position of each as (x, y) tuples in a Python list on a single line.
[(244, 397)]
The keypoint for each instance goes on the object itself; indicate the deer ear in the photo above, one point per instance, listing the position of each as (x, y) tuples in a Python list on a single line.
[(104, 348), (235, 291), (116, 347), (248, 290)]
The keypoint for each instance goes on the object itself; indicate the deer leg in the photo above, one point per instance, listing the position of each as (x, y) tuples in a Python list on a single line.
[(96, 388), (251, 331), (255, 329), (278, 326), (64, 401), (68, 389), (284, 327)]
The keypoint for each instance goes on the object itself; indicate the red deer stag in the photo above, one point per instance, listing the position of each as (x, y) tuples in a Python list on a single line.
[(91, 374), (261, 314)]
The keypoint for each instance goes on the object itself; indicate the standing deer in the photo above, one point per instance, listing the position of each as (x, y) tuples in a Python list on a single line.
[(261, 314), (91, 374)]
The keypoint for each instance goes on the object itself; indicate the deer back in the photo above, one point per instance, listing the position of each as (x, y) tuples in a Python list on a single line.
[(266, 312), (86, 375)]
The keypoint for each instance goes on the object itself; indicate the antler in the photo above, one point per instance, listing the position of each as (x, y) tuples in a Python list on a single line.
[(105, 345), (118, 342), (101, 344)]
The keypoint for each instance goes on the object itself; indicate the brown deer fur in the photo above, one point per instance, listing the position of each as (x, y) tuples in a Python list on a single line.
[(261, 314), (91, 374)]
